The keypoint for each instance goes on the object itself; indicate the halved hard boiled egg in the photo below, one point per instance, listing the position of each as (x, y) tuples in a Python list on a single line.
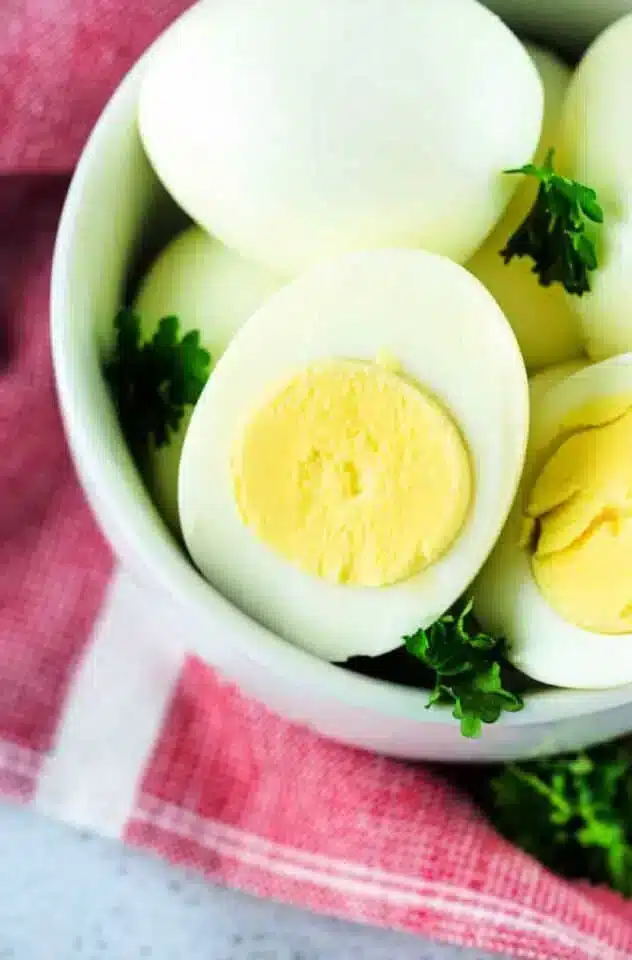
[(356, 450), (297, 131), (211, 289), (558, 584)]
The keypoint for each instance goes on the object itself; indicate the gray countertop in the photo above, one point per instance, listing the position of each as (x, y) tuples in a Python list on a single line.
[(65, 895)]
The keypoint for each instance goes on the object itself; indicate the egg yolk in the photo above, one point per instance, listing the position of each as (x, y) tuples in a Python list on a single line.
[(581, 510), (353, 474)]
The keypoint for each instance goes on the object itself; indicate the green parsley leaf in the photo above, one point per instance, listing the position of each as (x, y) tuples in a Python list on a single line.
[(572, 812), (153, 383), (480, 698), (467, 667), (553, 234)]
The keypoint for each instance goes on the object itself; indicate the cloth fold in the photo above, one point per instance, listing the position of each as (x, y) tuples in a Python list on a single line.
[(103, 720)]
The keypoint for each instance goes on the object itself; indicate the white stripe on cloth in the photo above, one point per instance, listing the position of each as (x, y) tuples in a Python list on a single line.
[(356, 880), (113, 712)]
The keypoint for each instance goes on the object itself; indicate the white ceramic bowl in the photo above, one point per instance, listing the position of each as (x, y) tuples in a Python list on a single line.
[(114, 214)]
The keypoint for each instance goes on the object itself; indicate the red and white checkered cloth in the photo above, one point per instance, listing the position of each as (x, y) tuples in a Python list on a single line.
[(104, 725)]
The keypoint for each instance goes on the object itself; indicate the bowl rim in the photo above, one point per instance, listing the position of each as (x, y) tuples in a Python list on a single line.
[(115, 507)]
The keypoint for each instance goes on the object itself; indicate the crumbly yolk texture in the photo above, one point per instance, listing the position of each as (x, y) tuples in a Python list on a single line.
[(580, 508), (353, 474)]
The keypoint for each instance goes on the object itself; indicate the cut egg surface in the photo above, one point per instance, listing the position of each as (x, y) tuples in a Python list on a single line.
[(356, 450), (558, 584)]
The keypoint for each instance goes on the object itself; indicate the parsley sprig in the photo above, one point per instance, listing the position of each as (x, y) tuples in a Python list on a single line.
[(467, 667), (153, 382), (554, 233), (572, 812)]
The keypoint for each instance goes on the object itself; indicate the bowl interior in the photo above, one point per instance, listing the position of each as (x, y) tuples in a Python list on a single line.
[(568, 25), (116, 216)]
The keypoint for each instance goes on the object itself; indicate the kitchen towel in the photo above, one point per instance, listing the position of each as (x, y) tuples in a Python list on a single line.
[(104, 722)]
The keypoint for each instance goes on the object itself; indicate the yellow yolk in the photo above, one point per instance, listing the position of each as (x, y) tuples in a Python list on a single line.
[(580, 508), (353, 474)]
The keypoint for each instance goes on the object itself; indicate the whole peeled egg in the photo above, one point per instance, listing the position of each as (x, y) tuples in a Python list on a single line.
[(297, 131), (542, 318), (356, 450), (211, 289), (558, 584), (596, 140)]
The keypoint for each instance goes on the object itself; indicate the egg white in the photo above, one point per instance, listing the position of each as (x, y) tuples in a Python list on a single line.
[(542, 381), (451, 337), (298, 131), (596, 145), (543, 318), (211, 289), (507, 599)]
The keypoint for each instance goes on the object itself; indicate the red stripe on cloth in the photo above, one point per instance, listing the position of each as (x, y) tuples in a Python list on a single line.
[(259, 803), (53, 562), (59, 62), (442, 922), (19, 768), (16, 786)]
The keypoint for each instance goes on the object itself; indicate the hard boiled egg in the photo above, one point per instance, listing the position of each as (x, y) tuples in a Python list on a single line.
[(299, 131), (211, 289), (542, 381), (354, 454), (542, 318), (558, 584), (597, 145)]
